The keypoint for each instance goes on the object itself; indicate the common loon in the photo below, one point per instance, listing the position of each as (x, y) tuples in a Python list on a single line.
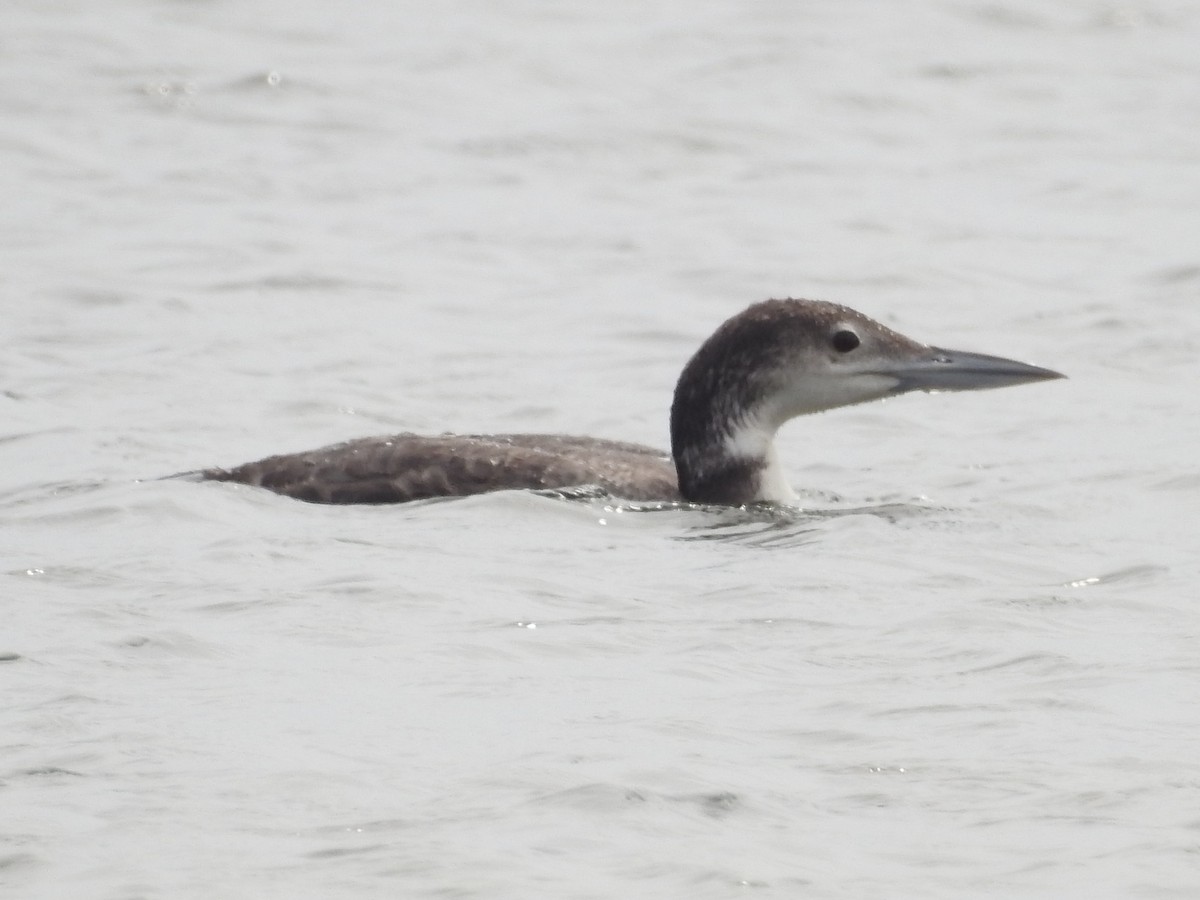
[(774, 361)]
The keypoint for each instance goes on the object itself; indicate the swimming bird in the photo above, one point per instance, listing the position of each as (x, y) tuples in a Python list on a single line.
[(774, 361)]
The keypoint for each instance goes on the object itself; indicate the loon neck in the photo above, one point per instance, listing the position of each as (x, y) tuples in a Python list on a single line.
[(726, 410), (730, 460)]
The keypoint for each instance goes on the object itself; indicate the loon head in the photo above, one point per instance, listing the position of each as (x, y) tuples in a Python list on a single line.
[(784, 358)]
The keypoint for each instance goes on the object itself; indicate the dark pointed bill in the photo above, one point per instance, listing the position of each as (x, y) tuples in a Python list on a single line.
[(957, 370)]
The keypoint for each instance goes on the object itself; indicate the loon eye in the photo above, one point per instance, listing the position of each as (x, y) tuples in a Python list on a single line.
[(845, 341)]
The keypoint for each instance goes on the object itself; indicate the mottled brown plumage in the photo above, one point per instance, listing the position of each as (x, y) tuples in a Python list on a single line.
[(415, 467)]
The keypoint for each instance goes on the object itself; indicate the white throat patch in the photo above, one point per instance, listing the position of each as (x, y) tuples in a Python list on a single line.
[(750, 441)]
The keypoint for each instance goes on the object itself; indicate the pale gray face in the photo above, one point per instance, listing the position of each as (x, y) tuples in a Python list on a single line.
[(825, 355)]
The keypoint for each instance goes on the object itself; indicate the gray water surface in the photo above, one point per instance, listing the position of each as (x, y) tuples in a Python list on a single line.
[(969, 667)]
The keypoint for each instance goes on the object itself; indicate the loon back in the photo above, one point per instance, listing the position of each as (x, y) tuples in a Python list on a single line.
[(406, 467), (770, 363)]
